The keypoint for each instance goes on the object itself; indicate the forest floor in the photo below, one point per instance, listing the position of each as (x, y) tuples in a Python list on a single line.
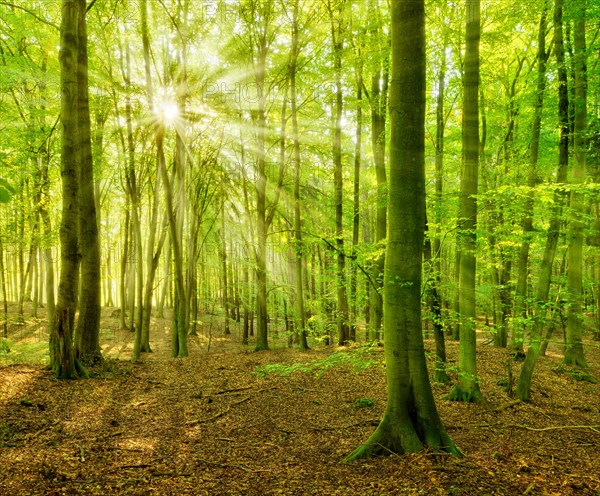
[(227, 420)]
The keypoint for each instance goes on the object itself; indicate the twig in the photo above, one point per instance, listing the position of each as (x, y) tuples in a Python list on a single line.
[(234, 390), (218, 415), (43, 429)]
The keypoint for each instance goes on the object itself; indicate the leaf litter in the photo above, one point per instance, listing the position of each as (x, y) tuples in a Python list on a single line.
[(231, 421)]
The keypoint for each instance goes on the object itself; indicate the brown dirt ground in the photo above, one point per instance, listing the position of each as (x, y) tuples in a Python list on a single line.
[(209, 424)]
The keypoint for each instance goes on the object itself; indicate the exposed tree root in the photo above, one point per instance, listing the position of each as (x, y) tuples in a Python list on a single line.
[(457, 394), (400, 437)]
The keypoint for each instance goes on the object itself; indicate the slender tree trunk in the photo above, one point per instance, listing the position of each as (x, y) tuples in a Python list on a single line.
[(299, 246), (467, 387), (573, 343), (4, 298), (542, 290), (137, 268), (342, 296), (125, 228), (262, 340), (224, 278), (378, 117), (179, 341), (356, 200)]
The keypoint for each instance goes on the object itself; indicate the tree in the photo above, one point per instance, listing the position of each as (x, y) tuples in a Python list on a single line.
[(410, 422), (542, 290), (379, 104), (338, 30), (87, 335), (62, 355), (467, 387), (298, 262), (523, 387), (574, 345)]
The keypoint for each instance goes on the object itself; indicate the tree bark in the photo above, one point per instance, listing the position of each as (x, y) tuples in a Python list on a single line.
[(62, 355), (542, 290), (573, 342), (467, 387), (337, 31), (87, 335), (299, 247), (410, 422)]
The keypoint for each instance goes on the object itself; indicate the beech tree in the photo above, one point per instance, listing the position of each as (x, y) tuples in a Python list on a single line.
[(410, 422), (467, 387)]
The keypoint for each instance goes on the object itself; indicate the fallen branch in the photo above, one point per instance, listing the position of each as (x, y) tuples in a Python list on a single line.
[(594, 428), (508, 405), (234, 390), (218, 415), (373, 422)]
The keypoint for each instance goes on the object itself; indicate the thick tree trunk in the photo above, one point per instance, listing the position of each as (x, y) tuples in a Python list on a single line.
[(87, 335), (467, 387), (63, 362), (410, 422)]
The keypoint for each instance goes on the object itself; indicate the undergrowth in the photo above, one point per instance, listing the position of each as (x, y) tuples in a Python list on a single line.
[(356, 359)]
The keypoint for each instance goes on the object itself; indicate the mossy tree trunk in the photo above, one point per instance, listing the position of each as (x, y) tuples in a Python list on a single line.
[(62, 353), (574, 346), (410, 422), (87, 335), (467, 387)]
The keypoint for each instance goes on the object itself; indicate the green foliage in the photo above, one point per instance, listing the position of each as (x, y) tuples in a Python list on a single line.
[(23, 353), (6, 191), (10, 436), (576, 373), (354, 359), (364, 403)]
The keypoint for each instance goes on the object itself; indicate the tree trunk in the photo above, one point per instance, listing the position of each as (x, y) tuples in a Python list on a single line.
[(299, 247), (87, 341), (573, 343), (467, 387), (540, 296), (356, 199), (378, 117), (342, 297), (62, 356), (4, 299), (410, 422)]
